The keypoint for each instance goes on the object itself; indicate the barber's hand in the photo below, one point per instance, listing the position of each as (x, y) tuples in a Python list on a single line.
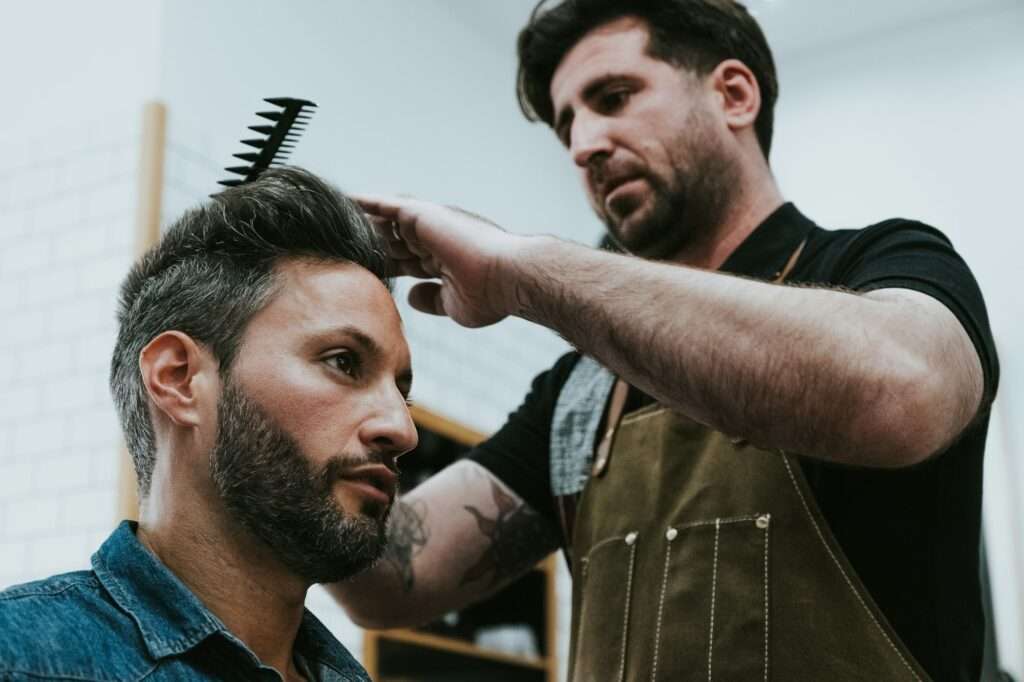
[(469, 254)]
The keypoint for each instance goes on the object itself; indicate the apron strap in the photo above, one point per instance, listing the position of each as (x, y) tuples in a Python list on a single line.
[(782, 274), (615, 406)]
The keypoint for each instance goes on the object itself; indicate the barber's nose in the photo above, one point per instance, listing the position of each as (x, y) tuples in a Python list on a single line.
[(390, 428), (588, 138)]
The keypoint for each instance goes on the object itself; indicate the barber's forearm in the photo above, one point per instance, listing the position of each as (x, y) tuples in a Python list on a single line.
[(453, 540), (370, 600), (392, 593), (820, 372)]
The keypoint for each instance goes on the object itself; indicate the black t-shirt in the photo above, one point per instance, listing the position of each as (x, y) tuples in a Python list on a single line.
[(911, 534)]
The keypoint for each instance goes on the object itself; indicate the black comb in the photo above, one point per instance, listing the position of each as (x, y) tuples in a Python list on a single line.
[(277, 142)]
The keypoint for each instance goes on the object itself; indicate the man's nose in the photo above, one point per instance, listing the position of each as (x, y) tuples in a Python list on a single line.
[(588, 139), (390, 427)]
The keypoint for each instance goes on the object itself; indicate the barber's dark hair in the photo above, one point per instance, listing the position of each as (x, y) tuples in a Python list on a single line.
[(694, 34), (214, 269)]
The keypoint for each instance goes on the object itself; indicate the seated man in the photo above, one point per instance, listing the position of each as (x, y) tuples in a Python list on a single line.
[(261, 377)]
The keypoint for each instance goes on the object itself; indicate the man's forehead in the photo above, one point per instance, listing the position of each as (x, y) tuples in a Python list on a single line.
[(597, 53), (317, 296)]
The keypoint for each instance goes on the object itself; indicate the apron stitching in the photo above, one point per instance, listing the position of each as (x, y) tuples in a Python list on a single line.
[(714, 586), (661, 608), (842, 572), (606, 541), (625, 618), (766, 530), (717, 522)]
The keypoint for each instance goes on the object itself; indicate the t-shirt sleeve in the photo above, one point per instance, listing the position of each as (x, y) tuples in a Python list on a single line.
[(518, 453), (910, 255)]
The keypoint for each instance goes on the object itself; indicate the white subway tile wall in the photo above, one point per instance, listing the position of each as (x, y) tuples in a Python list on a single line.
[(67, 203)]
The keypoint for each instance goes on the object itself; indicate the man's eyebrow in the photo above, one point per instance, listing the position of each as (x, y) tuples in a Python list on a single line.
[(366, 342)]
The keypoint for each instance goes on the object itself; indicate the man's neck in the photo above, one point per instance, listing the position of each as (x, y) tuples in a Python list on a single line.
[(753, 202), (236, 577)]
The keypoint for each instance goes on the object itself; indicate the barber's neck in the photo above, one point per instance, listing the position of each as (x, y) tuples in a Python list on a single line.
[(234, 574), (754, 197)]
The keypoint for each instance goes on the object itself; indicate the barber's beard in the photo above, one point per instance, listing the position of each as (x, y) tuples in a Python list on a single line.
[(688, 207), (271, 489)]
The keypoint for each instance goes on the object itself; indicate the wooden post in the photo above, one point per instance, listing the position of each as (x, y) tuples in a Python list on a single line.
[(147, 233)]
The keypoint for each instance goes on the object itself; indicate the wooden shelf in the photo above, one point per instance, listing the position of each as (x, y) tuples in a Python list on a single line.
[(458, 646), (444, 426)]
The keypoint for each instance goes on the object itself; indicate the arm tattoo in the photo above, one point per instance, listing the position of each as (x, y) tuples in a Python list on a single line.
[(407, 536), (519, 537)]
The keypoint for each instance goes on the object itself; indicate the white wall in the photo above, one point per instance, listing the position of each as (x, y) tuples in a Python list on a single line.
[(75, 76), (925, 122)]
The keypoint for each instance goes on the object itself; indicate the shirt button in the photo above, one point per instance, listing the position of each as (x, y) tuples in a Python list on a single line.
[(671, 534), (631, 538), (762, 521)]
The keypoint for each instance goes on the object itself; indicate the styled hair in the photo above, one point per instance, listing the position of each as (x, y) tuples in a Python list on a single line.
[(697, 35), (214, 269)]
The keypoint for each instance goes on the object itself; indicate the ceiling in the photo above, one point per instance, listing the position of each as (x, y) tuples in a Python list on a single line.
[(791, 25)]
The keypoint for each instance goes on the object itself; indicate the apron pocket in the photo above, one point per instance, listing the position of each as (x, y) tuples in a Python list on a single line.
[(604, 614), (713, 606)]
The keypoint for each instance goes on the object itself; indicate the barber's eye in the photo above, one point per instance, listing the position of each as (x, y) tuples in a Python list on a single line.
[(345, 361), (613, 100)]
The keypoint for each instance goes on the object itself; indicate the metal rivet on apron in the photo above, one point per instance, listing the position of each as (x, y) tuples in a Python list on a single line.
[(631, 538), (671, 534), (762, 521)]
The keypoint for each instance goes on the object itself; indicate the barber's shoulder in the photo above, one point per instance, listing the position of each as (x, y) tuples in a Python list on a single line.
[(901, 230), (66, 627)]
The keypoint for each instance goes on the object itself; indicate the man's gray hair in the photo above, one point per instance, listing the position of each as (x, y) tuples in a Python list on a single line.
[(214, 269)]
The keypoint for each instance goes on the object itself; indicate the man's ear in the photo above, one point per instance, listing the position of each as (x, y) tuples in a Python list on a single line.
[(172, 367), (739, 93)]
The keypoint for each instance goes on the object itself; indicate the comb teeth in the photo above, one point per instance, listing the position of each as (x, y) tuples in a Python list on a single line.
[(289, 101), (278, 142)]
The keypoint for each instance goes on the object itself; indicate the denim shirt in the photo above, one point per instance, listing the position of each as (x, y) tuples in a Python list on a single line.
[(131, 618)]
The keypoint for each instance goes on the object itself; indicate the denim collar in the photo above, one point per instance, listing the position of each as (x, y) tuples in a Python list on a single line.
[(170, 618), (764, 253)]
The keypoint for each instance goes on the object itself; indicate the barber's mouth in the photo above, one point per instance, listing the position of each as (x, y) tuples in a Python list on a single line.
[(620, 190), (374, 482), (617, 186)]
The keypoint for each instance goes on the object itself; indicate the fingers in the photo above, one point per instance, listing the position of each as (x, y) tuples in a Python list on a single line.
[(397, 226), (426, 298), (382, 206), (388, 229)]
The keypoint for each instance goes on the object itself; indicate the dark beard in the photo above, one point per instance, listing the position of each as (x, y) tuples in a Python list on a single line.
[(270, 488), (690, 206)]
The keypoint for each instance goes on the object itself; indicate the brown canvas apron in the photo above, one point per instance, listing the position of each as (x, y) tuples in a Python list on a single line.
[(696, 557)]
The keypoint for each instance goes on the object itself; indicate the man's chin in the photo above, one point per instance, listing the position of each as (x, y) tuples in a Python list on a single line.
[(634, 234)]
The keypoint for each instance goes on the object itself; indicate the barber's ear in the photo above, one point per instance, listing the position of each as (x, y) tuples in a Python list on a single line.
[(174, 370), (739, 92)]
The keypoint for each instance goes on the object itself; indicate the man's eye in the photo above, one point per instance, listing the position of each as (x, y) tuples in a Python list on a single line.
[(345, 361), (613, 100)]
